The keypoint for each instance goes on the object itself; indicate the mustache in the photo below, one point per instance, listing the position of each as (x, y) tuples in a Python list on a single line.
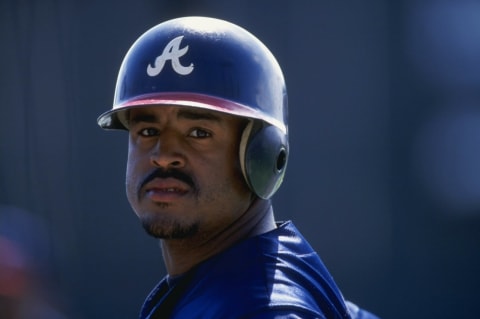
[(170, 173)]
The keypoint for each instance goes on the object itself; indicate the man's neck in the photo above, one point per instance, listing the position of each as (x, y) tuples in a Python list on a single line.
[(182, 255)]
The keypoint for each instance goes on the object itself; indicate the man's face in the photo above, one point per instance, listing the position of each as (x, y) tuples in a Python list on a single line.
[(183, 174)]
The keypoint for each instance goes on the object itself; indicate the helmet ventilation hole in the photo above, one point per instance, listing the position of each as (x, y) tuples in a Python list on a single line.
[(281, 160)]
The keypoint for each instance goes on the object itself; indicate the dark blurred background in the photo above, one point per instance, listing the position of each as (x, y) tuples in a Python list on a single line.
[(384, 173)]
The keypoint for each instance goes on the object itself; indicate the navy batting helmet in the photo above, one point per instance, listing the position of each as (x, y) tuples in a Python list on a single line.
[(211, 64)]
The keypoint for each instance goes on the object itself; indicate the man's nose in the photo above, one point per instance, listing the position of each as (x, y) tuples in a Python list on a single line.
[(167, 152)]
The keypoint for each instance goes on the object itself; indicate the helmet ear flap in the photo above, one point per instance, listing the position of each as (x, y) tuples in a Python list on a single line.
[(264, 155)]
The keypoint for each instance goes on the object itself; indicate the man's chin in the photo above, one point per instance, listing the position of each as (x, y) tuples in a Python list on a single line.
[(169, 230)]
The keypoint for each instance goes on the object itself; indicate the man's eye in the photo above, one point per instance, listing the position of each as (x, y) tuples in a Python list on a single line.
[(199, 133), (149, 131)]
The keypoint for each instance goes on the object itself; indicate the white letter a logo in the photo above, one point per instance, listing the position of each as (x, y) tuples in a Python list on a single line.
[(173, 53)]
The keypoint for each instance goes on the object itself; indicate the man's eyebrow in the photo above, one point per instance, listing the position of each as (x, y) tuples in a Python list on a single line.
[(188, 114), (197, 115), (138, 117)]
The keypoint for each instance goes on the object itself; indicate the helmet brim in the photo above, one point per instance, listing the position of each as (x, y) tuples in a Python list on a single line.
[(116, 118)]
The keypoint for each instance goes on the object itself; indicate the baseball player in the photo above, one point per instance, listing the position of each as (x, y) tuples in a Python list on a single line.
[(205, 106)]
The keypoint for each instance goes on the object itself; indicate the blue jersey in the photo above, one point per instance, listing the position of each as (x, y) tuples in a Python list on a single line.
[(273, 275)]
